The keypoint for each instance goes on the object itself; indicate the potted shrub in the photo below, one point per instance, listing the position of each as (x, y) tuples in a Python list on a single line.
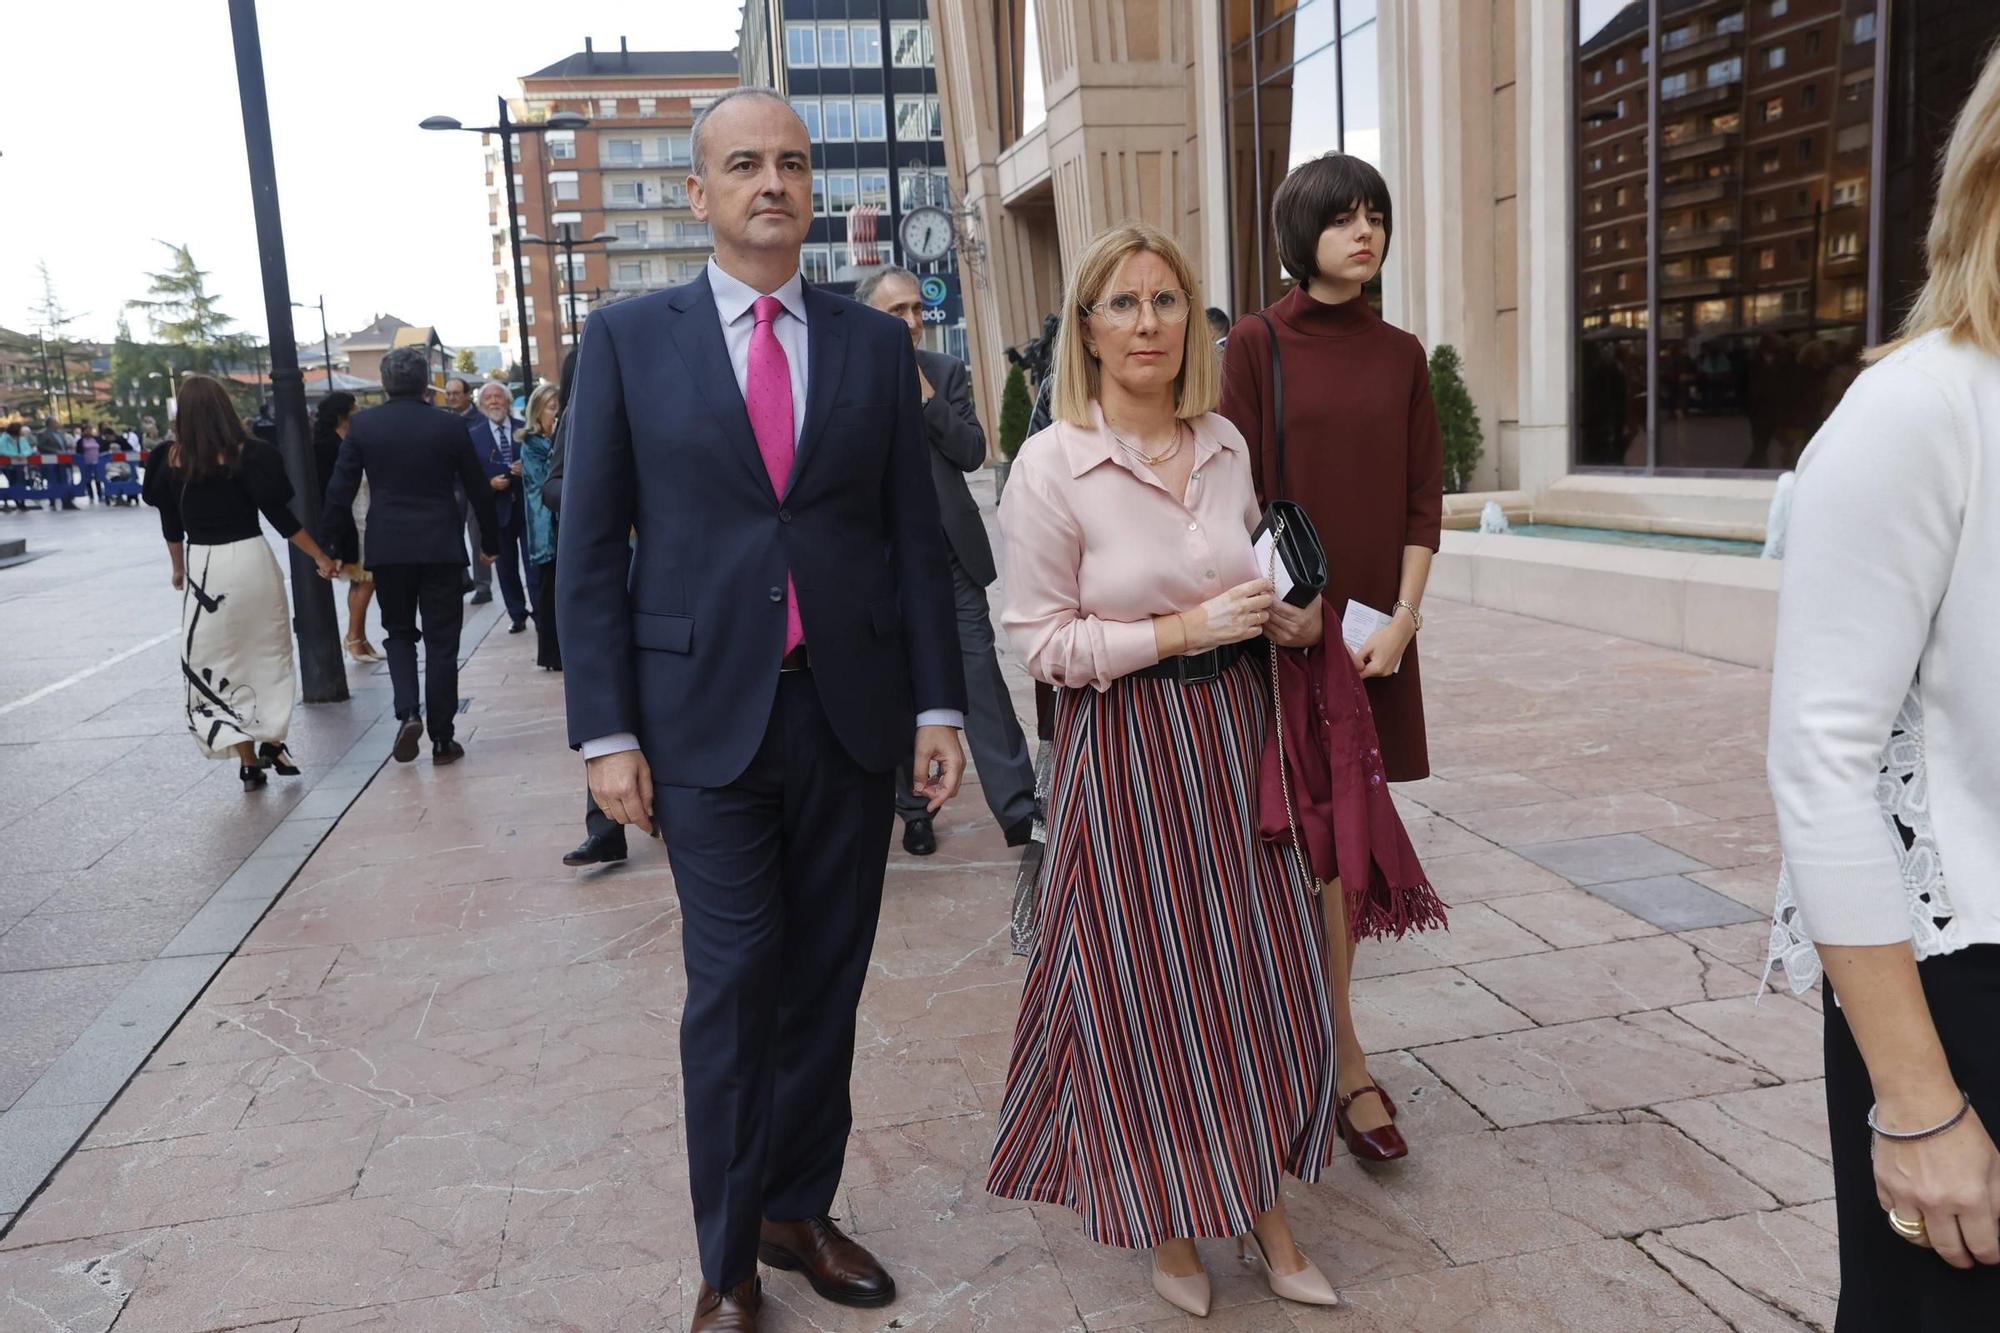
[(1458, 419), (1015, 411)]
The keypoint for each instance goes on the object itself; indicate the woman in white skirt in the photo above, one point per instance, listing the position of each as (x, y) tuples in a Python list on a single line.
[(210, 482)]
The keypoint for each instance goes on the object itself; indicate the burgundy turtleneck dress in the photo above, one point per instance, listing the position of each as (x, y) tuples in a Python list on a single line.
[(1365, 458)]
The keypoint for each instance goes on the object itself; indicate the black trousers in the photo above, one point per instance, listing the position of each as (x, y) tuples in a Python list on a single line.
[(1886, 1283), (548, 649), (780, 882), (999, 750), (432, 592), (513, 557)]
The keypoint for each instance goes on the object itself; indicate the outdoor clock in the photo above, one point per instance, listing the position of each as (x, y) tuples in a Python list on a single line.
[(927, 234)]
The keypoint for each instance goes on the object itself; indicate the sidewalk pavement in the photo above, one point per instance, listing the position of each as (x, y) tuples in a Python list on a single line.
[(438, 1087)]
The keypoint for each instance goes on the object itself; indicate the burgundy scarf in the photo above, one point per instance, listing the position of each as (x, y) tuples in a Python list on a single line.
[(1346, 818)]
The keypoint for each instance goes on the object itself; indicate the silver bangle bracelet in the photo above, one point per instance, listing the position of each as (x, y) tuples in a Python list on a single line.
[(1964, 1106)]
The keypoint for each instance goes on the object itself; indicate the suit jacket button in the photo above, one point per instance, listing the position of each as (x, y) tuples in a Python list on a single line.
[(777, 594), (784, 515)]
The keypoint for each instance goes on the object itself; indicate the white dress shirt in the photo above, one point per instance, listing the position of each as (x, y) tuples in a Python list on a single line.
[(1884, 719), (734, 300)]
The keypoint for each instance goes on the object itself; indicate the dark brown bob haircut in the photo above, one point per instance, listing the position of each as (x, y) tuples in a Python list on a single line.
[(208, 435), (1312, 195)]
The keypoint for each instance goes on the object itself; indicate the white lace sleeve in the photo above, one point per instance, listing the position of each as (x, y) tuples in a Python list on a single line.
[(1903, 792)]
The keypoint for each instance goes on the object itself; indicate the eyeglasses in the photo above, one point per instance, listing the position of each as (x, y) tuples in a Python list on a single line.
[(1122, 309)]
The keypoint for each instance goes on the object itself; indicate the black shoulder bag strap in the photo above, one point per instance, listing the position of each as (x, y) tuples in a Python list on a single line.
[(1277, 404)]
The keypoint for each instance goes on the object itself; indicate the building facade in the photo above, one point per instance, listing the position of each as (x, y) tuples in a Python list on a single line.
[(862, 75), (625, 175), (1659, 232)]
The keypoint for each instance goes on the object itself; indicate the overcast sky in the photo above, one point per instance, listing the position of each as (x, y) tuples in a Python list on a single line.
[(120, 127)]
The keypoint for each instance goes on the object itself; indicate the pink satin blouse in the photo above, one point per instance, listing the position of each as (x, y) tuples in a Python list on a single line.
[(1096, 546)]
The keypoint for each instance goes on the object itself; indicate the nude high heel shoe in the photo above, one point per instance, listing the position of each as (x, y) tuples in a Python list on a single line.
[(1308, 1286), (1191, 1293)]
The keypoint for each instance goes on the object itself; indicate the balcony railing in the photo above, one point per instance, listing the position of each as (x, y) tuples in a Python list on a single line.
[(1701, 48), (1698, 147), (1703, 238), (645, 160), (647, 201), (692, 239), (1699, 97), (1698, 192)]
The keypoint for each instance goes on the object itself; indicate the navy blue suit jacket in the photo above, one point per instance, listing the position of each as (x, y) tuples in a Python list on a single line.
[(677, 636), (414, 458), (488, 452)]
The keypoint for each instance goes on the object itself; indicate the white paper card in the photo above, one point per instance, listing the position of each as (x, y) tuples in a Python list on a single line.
[(1282, 578), (1359, 623)]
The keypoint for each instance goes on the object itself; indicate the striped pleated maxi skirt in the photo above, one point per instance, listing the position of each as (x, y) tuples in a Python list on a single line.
[(1174, 1053)]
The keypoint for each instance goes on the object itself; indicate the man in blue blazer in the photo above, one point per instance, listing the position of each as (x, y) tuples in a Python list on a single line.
[(756, 610), (496, 435)]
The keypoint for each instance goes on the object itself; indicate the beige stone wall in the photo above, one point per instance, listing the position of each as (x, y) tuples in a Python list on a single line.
[(1122, 142)]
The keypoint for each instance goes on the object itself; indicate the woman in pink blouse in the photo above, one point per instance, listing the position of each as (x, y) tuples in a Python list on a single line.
[(1174, 1054)]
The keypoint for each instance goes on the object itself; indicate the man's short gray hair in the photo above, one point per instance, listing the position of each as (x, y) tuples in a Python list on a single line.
[(864, 290), (492, 384), (700, 121), (405, 371)]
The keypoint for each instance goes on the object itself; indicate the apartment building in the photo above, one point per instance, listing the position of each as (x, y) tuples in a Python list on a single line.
[(625, 174)]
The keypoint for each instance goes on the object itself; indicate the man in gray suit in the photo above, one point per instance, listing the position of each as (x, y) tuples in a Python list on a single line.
[(958, 446)]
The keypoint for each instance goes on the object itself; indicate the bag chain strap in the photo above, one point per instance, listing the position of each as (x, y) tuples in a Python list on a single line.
[(1278, 708)]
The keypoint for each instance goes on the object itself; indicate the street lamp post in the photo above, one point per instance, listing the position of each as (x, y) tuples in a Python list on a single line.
[(322, 677), (325, 342), (567, 241), (507, 127)]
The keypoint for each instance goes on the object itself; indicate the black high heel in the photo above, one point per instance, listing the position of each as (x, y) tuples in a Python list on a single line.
[(252, 776), (278, 757)]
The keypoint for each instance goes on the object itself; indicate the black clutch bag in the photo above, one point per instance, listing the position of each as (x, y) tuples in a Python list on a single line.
[(1287, 544)]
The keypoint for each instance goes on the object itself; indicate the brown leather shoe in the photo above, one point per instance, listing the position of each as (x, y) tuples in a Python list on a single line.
[(838, 1268), (732, 1311)]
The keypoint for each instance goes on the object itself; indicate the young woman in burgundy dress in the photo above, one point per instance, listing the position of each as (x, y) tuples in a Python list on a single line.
[(1365, 459)]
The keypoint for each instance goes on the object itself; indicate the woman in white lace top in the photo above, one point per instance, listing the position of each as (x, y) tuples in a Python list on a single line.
[(1885, 764)]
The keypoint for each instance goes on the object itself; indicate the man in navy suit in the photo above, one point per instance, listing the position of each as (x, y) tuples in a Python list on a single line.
[(756, 609), (496, 435), (415, 458)]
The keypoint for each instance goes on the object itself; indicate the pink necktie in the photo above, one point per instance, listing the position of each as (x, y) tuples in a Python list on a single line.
[(768, 396)]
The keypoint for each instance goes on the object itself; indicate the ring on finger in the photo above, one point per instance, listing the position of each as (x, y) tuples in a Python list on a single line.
[(1914, 1232)]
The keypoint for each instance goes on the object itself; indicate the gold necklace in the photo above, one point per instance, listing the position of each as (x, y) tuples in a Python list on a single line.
[(1151, 460)]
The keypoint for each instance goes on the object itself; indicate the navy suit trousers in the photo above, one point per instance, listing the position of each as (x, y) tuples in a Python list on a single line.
[(780, 883)]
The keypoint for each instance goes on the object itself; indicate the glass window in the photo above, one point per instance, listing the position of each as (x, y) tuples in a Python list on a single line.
[(874, 189), (923, 185), (624, 193), (648, 108), (1774, 57), (1812, 42), (607, 108), (631, 232), (911, 119), (808, 109), (1849, 193), (833, 45), (630, 270), (801, 46), (906, 45), (936, 118), (1725, 71), (864, 45), (1773, 109), (1729, 23), (838, 116), (816, 264), (627, 151), (562, 144), (842, 193), (869, 120), (562, 186), (1864, 28), (1777, 8), (819, 193), (1675, 84)]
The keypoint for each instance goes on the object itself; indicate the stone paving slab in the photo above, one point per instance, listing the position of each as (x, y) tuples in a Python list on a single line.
[(437, 1086), (138, 867)]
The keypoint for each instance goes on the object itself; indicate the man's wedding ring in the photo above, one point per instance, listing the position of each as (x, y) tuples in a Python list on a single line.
[(1913, 1232)]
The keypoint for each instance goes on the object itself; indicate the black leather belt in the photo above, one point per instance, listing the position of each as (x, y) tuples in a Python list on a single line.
[(796, 660), (1199, 667)]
